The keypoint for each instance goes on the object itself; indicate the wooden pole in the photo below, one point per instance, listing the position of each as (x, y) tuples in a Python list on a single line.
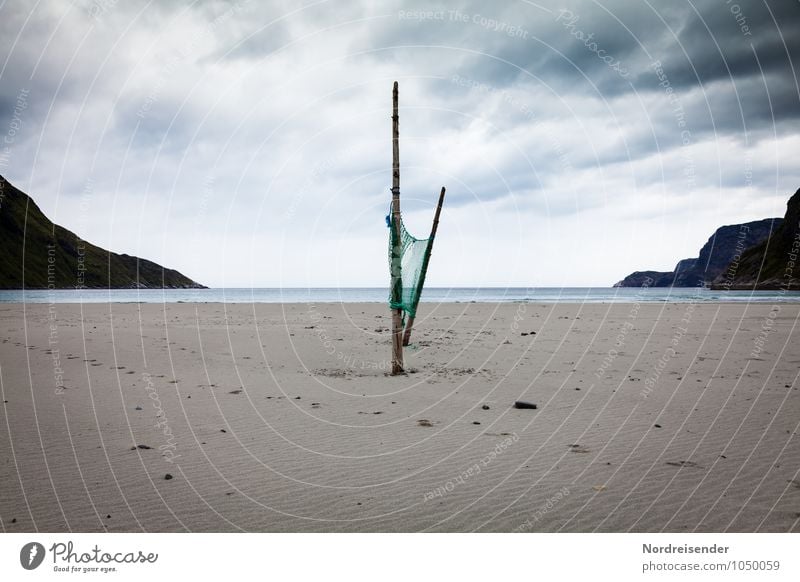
[(396, 267), (424, 270)]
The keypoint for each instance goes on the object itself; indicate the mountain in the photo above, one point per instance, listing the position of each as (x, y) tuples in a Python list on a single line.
[(772, 263), (724, 246), (37, 254), (647, 279)]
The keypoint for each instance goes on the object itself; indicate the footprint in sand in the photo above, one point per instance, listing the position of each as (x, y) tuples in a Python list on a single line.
[(424, 422)]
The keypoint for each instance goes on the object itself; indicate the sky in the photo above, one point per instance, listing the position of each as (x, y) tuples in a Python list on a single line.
[(248, 144)]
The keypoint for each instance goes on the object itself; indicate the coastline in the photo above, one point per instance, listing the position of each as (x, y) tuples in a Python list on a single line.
[(432, 295)]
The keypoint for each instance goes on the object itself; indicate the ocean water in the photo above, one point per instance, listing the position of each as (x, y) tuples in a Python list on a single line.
[(380, 295)]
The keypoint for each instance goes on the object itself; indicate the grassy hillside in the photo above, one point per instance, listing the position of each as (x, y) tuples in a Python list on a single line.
[(37, 254)]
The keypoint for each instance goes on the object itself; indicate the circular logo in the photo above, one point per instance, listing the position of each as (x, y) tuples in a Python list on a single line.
[(31, 555)]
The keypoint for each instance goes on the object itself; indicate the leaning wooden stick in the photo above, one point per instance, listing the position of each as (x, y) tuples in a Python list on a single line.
[(397, 244), (424, 271)]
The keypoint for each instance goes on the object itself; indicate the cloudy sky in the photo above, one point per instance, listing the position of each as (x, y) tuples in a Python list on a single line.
[(248, 143)]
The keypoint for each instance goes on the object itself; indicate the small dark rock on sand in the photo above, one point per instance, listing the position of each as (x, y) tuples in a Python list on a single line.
[(684, 464), (525, 405), (167, 477)]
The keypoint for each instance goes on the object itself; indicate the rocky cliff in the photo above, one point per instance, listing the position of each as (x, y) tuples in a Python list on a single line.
[(726, 245), (772, 263)]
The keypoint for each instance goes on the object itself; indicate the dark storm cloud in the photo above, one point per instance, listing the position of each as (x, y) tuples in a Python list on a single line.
[(721, 40), (757, 105), (697, 45)]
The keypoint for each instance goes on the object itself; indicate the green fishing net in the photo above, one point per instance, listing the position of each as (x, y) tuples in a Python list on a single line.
[(414, 254)]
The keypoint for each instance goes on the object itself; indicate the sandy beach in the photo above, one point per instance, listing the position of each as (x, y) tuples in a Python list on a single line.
[(268, 417)]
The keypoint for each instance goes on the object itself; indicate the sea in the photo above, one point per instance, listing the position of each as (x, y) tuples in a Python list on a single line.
[(380, 295)]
